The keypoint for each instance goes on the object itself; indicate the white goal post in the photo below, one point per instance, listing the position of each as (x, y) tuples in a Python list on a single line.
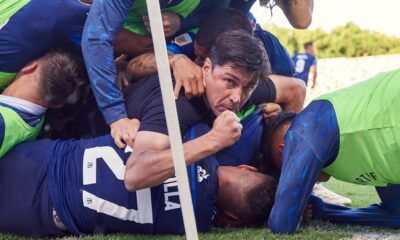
[(160, 49)]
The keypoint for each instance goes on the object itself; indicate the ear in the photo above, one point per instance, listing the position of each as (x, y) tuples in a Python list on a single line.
[(207, 67), (30, 68), (280, 149), (248, 168)]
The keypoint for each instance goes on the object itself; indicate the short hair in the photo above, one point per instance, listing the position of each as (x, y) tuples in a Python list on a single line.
[(308, 44), (259, 201), (219, 22), (243, 52), (271, 125), (62, 78)]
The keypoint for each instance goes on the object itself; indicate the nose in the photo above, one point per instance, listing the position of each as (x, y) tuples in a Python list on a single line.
[(236, 97)]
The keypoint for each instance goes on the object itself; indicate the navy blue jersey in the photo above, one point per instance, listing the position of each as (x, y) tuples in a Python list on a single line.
[(245, 149), (311, 143), (36, 28), (303, 63), (88, 192)]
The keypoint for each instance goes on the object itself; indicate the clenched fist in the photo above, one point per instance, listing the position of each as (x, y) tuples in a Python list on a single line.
[(226, 129)]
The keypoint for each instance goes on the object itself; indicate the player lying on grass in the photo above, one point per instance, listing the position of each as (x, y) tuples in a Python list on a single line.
[(48, 82), (350, 134), (91, 186)]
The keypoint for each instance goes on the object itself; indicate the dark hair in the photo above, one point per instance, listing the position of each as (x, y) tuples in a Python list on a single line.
[(63, 78), (271, 125), (219, 22), (308, 44), (242, 51), (259, 201)]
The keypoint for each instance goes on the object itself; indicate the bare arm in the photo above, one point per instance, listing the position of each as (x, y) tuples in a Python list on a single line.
[(151, 161), (290, 92), (312, 75), (186, 72), (298, 12), (127, 42)]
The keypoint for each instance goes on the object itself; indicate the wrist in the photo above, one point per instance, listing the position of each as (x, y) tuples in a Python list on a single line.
[(213, 142)]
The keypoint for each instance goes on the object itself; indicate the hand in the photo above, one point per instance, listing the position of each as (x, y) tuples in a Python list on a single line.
[(313, 85), (124, 131), (226, 129), (171, 23), (188, 75), (308, 213), (271, 110)]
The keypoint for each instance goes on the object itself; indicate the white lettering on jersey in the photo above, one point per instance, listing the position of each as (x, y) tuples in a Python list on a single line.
[(201, 174), (170, 190)]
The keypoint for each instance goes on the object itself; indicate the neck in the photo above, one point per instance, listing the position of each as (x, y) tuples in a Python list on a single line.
[(27, 89)]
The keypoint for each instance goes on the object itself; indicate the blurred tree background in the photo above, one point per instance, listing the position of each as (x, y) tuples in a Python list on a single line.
[(345, 41)]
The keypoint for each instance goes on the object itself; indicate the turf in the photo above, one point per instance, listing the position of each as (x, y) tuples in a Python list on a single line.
[(361, 196)]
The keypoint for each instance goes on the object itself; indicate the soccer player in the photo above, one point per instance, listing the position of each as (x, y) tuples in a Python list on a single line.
[(350, 134), (306, 64), (90, 195), (48, 82), (98, 37)]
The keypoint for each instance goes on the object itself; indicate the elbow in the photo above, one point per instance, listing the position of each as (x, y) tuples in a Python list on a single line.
[(301, 23)]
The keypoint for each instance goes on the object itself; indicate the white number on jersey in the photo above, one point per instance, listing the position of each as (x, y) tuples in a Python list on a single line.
[(144, 213)]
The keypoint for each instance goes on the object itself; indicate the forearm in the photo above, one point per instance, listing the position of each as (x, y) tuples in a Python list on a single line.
[(298, 12), (127, 42), (152, 167), (145, 64)]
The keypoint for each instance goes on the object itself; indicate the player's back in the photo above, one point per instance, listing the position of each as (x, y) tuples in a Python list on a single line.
[(86, 182)]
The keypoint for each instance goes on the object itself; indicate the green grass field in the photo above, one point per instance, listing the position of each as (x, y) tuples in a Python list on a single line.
[(360, 195)]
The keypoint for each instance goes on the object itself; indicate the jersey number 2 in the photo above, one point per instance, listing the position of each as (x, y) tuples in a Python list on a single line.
[(144, 212)]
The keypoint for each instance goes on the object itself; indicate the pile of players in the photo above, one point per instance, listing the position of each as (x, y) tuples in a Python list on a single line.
[(225, 69)]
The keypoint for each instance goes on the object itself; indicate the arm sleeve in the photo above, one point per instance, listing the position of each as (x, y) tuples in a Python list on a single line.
[(311, 142), (264, 92), (183, 44), (104, 21)]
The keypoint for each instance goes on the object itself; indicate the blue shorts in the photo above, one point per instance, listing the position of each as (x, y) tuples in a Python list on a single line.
[(25, 205)]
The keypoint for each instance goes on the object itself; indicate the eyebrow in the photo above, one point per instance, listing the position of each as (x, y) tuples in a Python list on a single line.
[(232, 76)]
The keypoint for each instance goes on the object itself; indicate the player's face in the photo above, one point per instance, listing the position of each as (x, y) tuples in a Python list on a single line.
[(227, 88)]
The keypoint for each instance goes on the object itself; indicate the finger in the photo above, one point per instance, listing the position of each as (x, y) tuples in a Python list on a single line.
[(146, 18), (195, 91), (177, 89), (129, 139), (200, 87), (188, 90), (119, 142)]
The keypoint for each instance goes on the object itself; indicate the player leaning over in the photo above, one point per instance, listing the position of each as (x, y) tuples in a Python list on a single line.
[(350, 134)]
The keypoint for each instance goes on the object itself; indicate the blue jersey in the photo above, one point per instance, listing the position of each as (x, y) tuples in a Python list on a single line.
[(36, 28), (88, 192), (311, 143), (245, 149), (303, 63)]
